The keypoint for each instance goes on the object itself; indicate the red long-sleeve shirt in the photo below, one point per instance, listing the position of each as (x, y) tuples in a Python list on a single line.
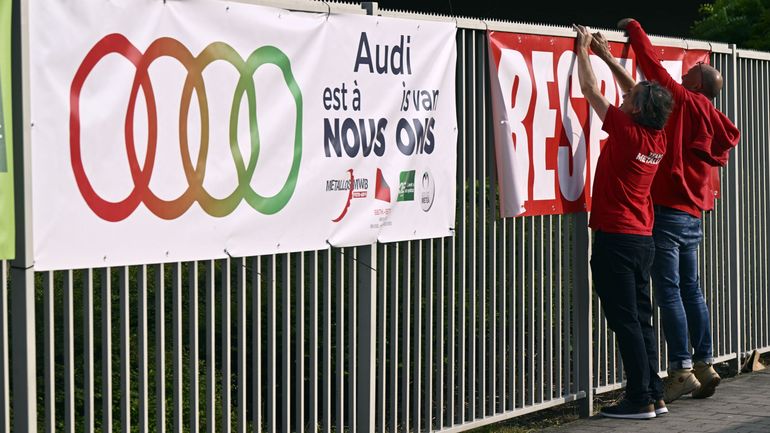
[(699, 137)]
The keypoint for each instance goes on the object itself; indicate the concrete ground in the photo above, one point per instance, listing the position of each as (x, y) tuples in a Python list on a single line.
[(740, 405)]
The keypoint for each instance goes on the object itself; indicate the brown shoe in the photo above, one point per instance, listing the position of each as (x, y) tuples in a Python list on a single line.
[(660, 408), (678, 383), (709, 379)]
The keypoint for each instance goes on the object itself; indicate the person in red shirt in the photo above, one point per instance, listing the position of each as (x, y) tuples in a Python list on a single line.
[(622, 218), (699, 138)]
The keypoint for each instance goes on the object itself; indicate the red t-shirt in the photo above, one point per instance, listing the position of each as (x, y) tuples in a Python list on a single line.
[(621, 201)]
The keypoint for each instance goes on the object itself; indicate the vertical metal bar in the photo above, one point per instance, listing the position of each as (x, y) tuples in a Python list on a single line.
[(461, 234), (160, 348), (530, 305), (557, 328), (23, 323), (451, 363), (583, 315), (313, 267), (734, 215), (286, 354), (69, 353), (88, 350), (5, 379), (428, 336), (406, 284), (271, 396), (240, 304), (176, 324), (339, 268), (194, 350), (393, 338), (142, 337), (417, 284), (256, 342), (106, 312), (381, 286), (366, 282), (521, 310), (125, 352), (442, 302), (299, 357), (49, 360), (226, 347), (510, 289), (210, 348), (326, 397), (539, 310)]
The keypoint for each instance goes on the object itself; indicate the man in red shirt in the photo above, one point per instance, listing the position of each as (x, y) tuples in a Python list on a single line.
[(699, 138), (622, 218)]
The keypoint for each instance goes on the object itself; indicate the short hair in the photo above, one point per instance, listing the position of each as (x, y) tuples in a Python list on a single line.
[(653, 104)]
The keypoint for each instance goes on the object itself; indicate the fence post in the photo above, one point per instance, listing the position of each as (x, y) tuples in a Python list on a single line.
[(24, 370), (583, 314), (734, 225), (366, 317), (366, 342)]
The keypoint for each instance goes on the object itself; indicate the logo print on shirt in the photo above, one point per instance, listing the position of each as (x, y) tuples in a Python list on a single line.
[(652, 158)]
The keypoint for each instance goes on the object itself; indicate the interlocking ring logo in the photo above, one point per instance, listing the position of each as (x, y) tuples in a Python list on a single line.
[(141, 175)]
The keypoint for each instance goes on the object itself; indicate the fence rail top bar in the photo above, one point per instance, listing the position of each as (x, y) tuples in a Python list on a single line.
[(309, 6), (751, 54), (553, 30)]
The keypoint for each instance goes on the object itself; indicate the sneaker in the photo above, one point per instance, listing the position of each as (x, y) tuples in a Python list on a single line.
[(678, 383), (708, 378), (660, 408), (628, 410)]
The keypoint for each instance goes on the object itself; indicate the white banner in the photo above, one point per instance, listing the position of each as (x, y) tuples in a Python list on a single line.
[(191, 130)]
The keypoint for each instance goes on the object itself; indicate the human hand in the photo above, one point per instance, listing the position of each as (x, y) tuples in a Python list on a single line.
[(622, 24), (600, 46), (583, 37)]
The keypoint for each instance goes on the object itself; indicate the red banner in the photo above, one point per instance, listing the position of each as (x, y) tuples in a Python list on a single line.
[(547, 138)]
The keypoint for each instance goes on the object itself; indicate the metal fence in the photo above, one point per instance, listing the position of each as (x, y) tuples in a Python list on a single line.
[(441, 334)]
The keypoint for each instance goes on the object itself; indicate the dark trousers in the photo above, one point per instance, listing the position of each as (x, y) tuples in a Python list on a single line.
[(621, 271)]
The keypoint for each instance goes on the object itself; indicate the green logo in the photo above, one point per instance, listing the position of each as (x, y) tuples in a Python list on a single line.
[(406, 186), (3, 150)]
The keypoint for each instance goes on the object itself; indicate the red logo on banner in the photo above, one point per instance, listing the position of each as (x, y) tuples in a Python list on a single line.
[(381, 188)]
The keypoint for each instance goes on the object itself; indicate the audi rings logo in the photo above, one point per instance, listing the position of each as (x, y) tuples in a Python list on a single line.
[(194, 173)]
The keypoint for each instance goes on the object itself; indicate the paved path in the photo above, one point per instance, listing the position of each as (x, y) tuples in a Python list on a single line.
[(740, 405)]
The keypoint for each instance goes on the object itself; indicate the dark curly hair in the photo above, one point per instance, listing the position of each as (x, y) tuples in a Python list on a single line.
[(654, 104)]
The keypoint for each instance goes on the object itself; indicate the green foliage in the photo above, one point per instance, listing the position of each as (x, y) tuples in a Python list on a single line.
[(741, 22)]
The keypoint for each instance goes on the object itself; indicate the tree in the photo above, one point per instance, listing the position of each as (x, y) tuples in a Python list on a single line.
[(741, 22)]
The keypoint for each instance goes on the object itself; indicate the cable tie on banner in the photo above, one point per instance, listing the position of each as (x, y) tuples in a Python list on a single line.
[(361, 262), (22, 268), (486, 25), (328, 10)]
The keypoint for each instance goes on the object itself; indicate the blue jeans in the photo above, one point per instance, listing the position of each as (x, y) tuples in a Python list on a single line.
[(677, 289)]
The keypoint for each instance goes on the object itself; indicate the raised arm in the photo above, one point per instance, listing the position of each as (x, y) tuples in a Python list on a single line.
[(586, 73), (601, 48), (645, 55)]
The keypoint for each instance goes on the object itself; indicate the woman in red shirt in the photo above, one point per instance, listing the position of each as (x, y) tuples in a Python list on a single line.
[(622, 218)]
